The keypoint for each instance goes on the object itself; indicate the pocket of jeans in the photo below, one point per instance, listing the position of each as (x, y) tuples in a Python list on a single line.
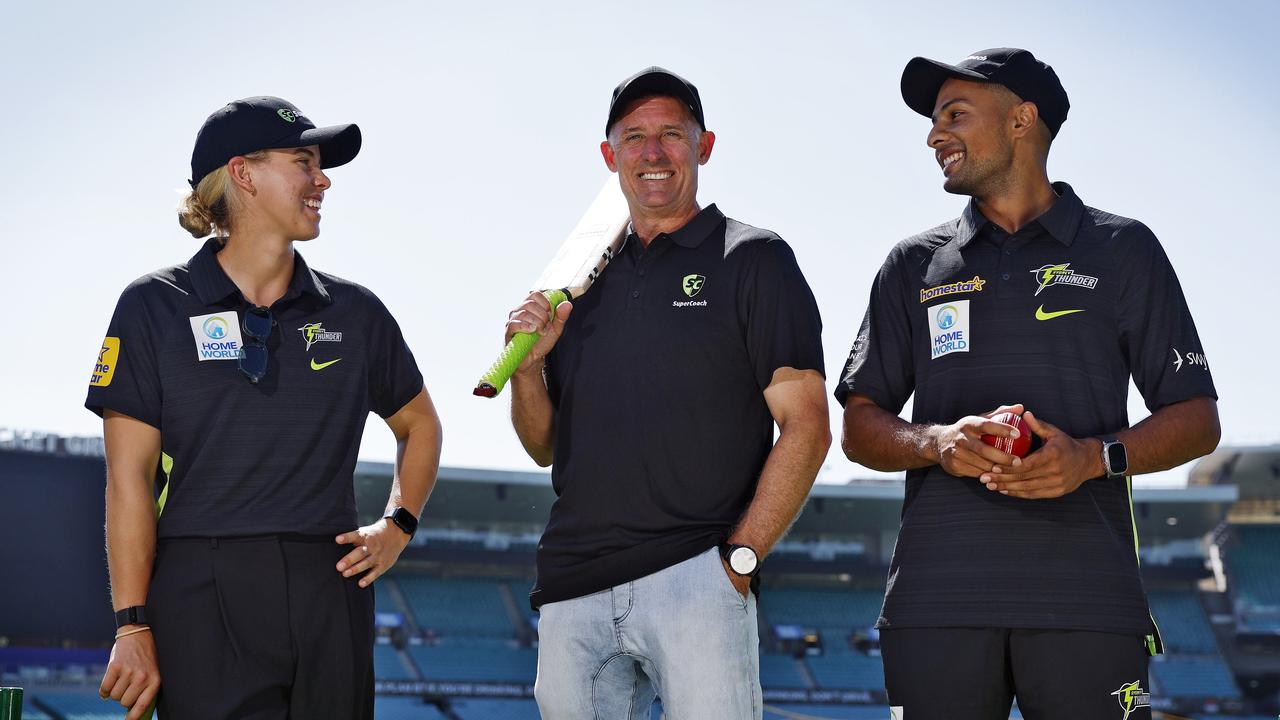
[(726, 581)]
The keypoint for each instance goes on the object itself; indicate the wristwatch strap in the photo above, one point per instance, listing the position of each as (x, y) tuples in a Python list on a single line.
[(136, 615)]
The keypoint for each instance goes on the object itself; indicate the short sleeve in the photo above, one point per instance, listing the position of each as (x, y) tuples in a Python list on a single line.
[(125, 375), (783, 326), (394, 378), (881, 365), (1157, 333)]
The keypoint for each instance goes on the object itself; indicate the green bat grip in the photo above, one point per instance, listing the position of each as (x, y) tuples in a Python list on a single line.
[(492, 382)]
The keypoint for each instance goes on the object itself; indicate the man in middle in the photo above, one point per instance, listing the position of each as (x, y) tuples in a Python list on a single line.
[(654, 399)]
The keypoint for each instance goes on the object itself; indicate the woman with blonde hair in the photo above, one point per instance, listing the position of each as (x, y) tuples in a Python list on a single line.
[(243, 379)]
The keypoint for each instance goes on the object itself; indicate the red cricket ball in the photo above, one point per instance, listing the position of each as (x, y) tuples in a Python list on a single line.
[(1019, 446)]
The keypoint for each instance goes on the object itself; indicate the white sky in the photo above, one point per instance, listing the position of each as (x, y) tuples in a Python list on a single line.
[(481, 125)]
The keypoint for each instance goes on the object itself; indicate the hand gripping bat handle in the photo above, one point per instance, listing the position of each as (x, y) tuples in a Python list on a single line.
[(492, 382)]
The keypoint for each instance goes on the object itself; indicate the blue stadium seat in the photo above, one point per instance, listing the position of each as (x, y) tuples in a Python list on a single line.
[(457, 606), (404, 708), (848, 670), (1182, 677), (80, 706), (1183, 625), (31, 712), (476, 661), (835, 712), (1251, 560), (483, 709), (387, 664), (780, 671), (821, 607)]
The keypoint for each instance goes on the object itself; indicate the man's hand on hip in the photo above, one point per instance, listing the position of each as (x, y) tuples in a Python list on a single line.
[(378, 546)]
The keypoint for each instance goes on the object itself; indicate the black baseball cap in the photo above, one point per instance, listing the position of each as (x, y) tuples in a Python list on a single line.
[(267, 123), (1019, 70), (654, 81)]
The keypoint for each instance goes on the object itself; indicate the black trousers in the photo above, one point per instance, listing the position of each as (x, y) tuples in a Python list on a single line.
[(260, 628), (974, 674)]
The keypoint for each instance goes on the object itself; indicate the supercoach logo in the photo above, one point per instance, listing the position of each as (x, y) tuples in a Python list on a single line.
[(949, 328), (217, 336), (964, 286), (1050, 275)]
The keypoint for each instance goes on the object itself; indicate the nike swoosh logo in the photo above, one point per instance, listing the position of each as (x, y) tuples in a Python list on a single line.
[(320, 366), (1042, 315)]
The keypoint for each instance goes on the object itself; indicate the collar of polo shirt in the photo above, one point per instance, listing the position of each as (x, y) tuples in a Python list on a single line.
[(1061, 220), (213, 286)]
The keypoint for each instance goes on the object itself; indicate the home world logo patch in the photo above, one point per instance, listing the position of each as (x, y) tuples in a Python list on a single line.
[(217, 336), (949, 328)]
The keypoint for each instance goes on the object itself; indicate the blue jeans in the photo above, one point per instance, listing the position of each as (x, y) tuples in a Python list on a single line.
[(684, 634)]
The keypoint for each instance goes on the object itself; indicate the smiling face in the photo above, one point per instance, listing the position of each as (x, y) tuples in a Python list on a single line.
[(971, 136), (289, 189), (656, 146)]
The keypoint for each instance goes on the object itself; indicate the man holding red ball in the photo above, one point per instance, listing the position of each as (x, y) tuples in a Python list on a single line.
[(1025, 583)]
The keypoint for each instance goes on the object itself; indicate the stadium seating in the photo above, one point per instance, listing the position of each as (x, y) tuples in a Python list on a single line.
[(834, 712), (1185, 677), (846, 670), (780, 671), (387, 664), (821, 607), (476, 660), (405, 708), (1252, 561), (77, 706), (483, 709), (461, 606), (1183, 625)]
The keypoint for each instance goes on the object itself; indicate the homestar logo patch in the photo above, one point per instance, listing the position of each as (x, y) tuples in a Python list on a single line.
[(1131, 697), (949, 328), (105, 368), (964, 286), (1050, 275), (315, 332), (217, 336)]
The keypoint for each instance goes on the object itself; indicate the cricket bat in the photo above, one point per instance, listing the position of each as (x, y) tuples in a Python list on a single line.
[(576, 265)]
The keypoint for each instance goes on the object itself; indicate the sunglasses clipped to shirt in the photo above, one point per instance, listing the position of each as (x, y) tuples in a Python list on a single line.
[(253, 354)]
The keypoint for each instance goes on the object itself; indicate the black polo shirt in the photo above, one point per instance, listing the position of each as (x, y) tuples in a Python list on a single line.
[(658, 382), (276, 457), (1057, 316)]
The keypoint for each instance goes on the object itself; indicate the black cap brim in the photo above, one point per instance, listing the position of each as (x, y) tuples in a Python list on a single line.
[(923, 78), (339, 144)]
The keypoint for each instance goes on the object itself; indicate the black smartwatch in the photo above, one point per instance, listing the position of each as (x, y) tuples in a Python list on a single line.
[(1115, 459), (742, 559), (136, 615), (404, 520)]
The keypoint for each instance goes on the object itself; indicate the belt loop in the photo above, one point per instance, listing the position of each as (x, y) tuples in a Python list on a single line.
[(213, 543)]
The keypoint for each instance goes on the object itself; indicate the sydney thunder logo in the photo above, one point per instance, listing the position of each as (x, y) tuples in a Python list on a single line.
[(315, 332), (1131, 697), (1050, 275)]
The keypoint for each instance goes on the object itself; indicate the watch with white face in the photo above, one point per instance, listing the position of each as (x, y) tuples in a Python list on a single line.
[(742, 559)]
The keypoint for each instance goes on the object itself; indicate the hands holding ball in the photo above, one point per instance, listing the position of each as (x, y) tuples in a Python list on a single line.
[(995, 448)]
